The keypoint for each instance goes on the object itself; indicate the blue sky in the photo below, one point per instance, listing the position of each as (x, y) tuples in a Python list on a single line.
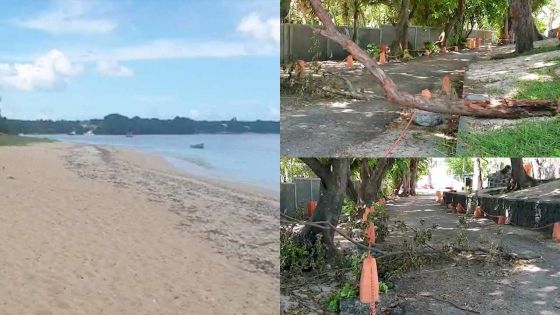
[(80, 59)]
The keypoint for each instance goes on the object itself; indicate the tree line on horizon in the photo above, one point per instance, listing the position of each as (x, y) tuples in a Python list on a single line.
[(115, 124)]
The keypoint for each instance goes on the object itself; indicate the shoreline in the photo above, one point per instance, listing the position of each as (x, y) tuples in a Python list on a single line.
[(94, 229), (189, 167), (162, 164)]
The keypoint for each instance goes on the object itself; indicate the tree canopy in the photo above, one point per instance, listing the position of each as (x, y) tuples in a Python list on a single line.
[(115, 124)]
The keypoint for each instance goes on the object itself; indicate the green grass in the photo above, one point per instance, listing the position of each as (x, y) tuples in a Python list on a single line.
[(538, 90), (528, 138), (9, 140)]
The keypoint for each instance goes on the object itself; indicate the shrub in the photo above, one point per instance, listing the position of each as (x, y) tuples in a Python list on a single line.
[(373, 50)]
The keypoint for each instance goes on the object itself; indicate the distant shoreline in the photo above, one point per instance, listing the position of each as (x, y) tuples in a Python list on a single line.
[(115, 124)]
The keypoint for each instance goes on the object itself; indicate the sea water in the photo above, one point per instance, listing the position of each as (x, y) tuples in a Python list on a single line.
[(246, 158)]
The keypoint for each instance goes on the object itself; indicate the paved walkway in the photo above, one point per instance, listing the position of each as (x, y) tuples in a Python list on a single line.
[(528, 288), (341, 127)]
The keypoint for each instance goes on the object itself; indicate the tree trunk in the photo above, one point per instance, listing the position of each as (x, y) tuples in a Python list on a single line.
[(334, 182), (450, 25), (522, 25), (397, 184), (371, 178), (401, 28), (520, 177), (495, 108), (355, 22), (410, 178), (285, 10), (413, 176), (405, 184), (477, 185)]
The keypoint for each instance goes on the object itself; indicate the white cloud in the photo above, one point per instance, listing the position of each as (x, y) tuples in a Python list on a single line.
[(260, 29), (176, 49), (70, 16), (49, 72), (114, 69)]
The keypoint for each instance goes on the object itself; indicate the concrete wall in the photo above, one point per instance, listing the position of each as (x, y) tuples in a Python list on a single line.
[(531, 213), (296, 40)]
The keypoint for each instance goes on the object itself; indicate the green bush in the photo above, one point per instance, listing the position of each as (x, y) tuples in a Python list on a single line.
[(373, 50), (292, 254), (347, 292), (433, 48)]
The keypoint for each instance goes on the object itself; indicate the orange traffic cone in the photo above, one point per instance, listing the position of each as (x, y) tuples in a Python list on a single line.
[(460, 208), (349, 62), (370, 233), (501, 219), (369, 283), (556, 232), (311, 205), (366, 213), (478, 212)]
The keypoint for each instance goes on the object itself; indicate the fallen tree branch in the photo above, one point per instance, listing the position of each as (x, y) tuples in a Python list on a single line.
[(379, 254), (495, 108), (500, 252), (354, 95)]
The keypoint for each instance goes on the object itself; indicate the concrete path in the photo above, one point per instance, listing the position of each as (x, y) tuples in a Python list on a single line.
[(341, 127), (532, 287)]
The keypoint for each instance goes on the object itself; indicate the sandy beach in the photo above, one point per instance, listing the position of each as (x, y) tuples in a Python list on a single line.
[(94, 230)]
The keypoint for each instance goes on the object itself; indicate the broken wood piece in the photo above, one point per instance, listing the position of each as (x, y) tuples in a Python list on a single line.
[(349, 62), (382, 58), (426, 94), (446, 84)]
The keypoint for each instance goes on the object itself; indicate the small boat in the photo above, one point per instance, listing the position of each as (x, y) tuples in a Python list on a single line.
[(197, 146), (129, 135), (72, 133)]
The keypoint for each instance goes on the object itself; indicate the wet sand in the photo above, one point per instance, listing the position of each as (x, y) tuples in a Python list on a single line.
[(94, 230)]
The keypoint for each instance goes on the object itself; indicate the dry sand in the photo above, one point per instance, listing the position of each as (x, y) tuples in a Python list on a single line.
[(94, 230)]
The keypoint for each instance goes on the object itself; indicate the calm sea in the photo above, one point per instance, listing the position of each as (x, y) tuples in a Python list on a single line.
[(249, 158)]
